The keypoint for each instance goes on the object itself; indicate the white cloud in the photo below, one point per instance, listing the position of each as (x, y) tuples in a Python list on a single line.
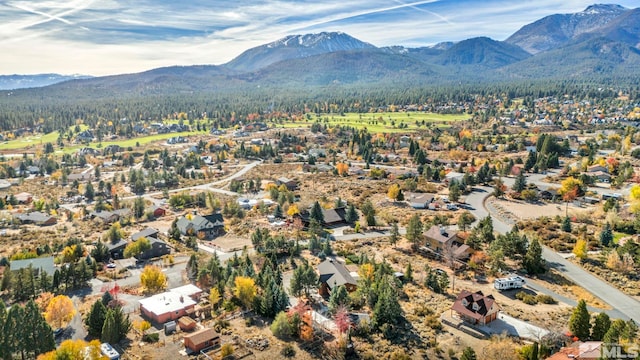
[(101, 37)]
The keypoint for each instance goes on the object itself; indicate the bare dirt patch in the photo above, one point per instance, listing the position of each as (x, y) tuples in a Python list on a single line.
[(524, 210)]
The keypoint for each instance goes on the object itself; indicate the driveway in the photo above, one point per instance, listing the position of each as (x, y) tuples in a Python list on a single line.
[(625, 306), (514, 327)]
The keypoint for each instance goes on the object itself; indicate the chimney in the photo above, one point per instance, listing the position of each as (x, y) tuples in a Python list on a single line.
[(181, 299)]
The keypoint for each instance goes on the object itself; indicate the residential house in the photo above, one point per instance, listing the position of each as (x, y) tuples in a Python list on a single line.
[(88, 151), (158, 247), (85, 136), (596, 168), (333, 274), (589, 350), (290, 184), (549, 194), (317, 152), (80, 177), (116, 249), (441, 240), (476, 308), (38, 264), (201, 339), (453, 176), (418, 200), (24, 198), (37, 218), (112, 149), (170, 305), (600, 176), (158, 211), (203, 227), (331, 217), (109, 217)]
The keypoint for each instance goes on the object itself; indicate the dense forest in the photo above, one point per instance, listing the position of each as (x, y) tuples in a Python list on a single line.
[(53, 108)]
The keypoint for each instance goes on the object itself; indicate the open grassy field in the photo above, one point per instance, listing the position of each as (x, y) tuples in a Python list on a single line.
[(33, 141), (385, 122), (27, 143)]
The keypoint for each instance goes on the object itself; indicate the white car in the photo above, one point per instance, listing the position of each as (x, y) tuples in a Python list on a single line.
[(111, 266)]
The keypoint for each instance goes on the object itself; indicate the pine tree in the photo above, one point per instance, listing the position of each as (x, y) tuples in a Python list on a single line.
[(352, 215), (601, 325), (109, 329), (96, 319), (606, 236), (531, 161), (339, 297), (520, 183), (387, 309), (277, 212), (316, 213), (394, 234), (566, 224), (468, 354), (38, 335), (579, 323), (408, 273), (414, 231), (533, 261)]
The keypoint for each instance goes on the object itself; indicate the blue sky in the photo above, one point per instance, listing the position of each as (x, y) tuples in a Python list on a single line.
[(102, 37)]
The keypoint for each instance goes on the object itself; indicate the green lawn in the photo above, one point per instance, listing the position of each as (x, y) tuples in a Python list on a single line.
[(29, 141), (386, 122)]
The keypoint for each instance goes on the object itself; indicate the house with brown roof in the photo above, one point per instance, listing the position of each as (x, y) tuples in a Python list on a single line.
[(589, 350), (441, 240), (476, 308), (201, 339), (333, 274)]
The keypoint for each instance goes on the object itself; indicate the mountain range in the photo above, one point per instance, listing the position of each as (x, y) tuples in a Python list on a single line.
[(601, 41)]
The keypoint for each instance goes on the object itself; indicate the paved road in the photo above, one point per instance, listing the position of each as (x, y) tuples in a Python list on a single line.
[(626, 306)]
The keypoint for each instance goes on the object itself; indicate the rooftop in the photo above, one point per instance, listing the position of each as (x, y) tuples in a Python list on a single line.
[(166, 302)]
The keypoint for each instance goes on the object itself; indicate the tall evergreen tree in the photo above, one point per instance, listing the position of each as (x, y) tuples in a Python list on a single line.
[(316, 213), (351, 215), (520, 183), (533, 261), (566, 224), (339, 297), (606, 235), (387, 309), (414, 231), (601, 325), (96, 319), (579, 323)]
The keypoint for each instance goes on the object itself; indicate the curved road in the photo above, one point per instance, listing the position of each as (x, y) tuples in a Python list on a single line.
[(624, 306)]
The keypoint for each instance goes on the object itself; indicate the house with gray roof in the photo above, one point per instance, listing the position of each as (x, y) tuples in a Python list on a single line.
[(203, 227), (39, 264), (37, 218), (333, 274)]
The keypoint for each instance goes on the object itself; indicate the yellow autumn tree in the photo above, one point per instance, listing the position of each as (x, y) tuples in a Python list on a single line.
[(153, 280), (293, 210), (214, 297), (393, 192), (580, 249), (366, 272), (245, 290), (342, 169), (141, 326), (75, 349), (60, 311)]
